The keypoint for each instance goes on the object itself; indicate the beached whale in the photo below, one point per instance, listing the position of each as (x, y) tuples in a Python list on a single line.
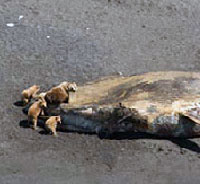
[(166, 104)]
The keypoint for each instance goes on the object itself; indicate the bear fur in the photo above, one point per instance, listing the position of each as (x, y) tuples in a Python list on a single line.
[(51, 124), (34, 111), (60, 93), (27, 94)]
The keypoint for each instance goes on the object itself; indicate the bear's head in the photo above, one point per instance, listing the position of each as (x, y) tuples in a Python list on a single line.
[(58, 119), (72, 87), (42, 102)]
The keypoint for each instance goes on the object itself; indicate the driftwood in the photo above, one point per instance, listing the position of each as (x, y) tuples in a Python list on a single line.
[(160, 103)]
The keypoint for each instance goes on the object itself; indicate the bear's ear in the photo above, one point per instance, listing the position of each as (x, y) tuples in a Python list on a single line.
[(58, 119)]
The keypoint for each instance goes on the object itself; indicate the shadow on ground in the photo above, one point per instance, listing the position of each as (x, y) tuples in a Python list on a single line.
[(180, 142), (19, 104), (24, 124), (187, 144)]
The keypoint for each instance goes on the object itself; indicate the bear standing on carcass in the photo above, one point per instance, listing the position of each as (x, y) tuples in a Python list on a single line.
[(60, 93)]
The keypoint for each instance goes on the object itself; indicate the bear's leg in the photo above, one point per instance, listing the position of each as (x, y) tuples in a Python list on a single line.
[(42, 112), (29, 121), (25, 100), (53, 129), (34, 94), (35, 124)]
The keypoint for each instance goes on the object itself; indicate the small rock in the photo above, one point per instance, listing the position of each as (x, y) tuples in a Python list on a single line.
[(21, 17), (117, 73), (166, 153), (160, 149), (10, 25), (182, 151)]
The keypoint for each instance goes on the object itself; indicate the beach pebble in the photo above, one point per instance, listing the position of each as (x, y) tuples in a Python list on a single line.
[(10, 25), (21, 17)]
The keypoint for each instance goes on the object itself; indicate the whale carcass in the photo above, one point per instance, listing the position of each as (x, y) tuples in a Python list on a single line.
[(166, 104)]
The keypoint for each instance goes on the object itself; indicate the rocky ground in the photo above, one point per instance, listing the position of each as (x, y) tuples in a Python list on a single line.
[(45, 42)]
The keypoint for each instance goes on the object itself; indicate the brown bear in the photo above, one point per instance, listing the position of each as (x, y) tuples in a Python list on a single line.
[(60, 93), (34, 111), (40, 96), (27, 94), (51, 124)]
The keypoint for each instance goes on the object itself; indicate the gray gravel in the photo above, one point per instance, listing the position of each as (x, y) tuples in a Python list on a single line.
[(82, 40)]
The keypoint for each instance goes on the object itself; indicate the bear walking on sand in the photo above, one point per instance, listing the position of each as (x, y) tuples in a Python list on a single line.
[(27, 94), (51, 124), (34, 111), (60, 93)]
